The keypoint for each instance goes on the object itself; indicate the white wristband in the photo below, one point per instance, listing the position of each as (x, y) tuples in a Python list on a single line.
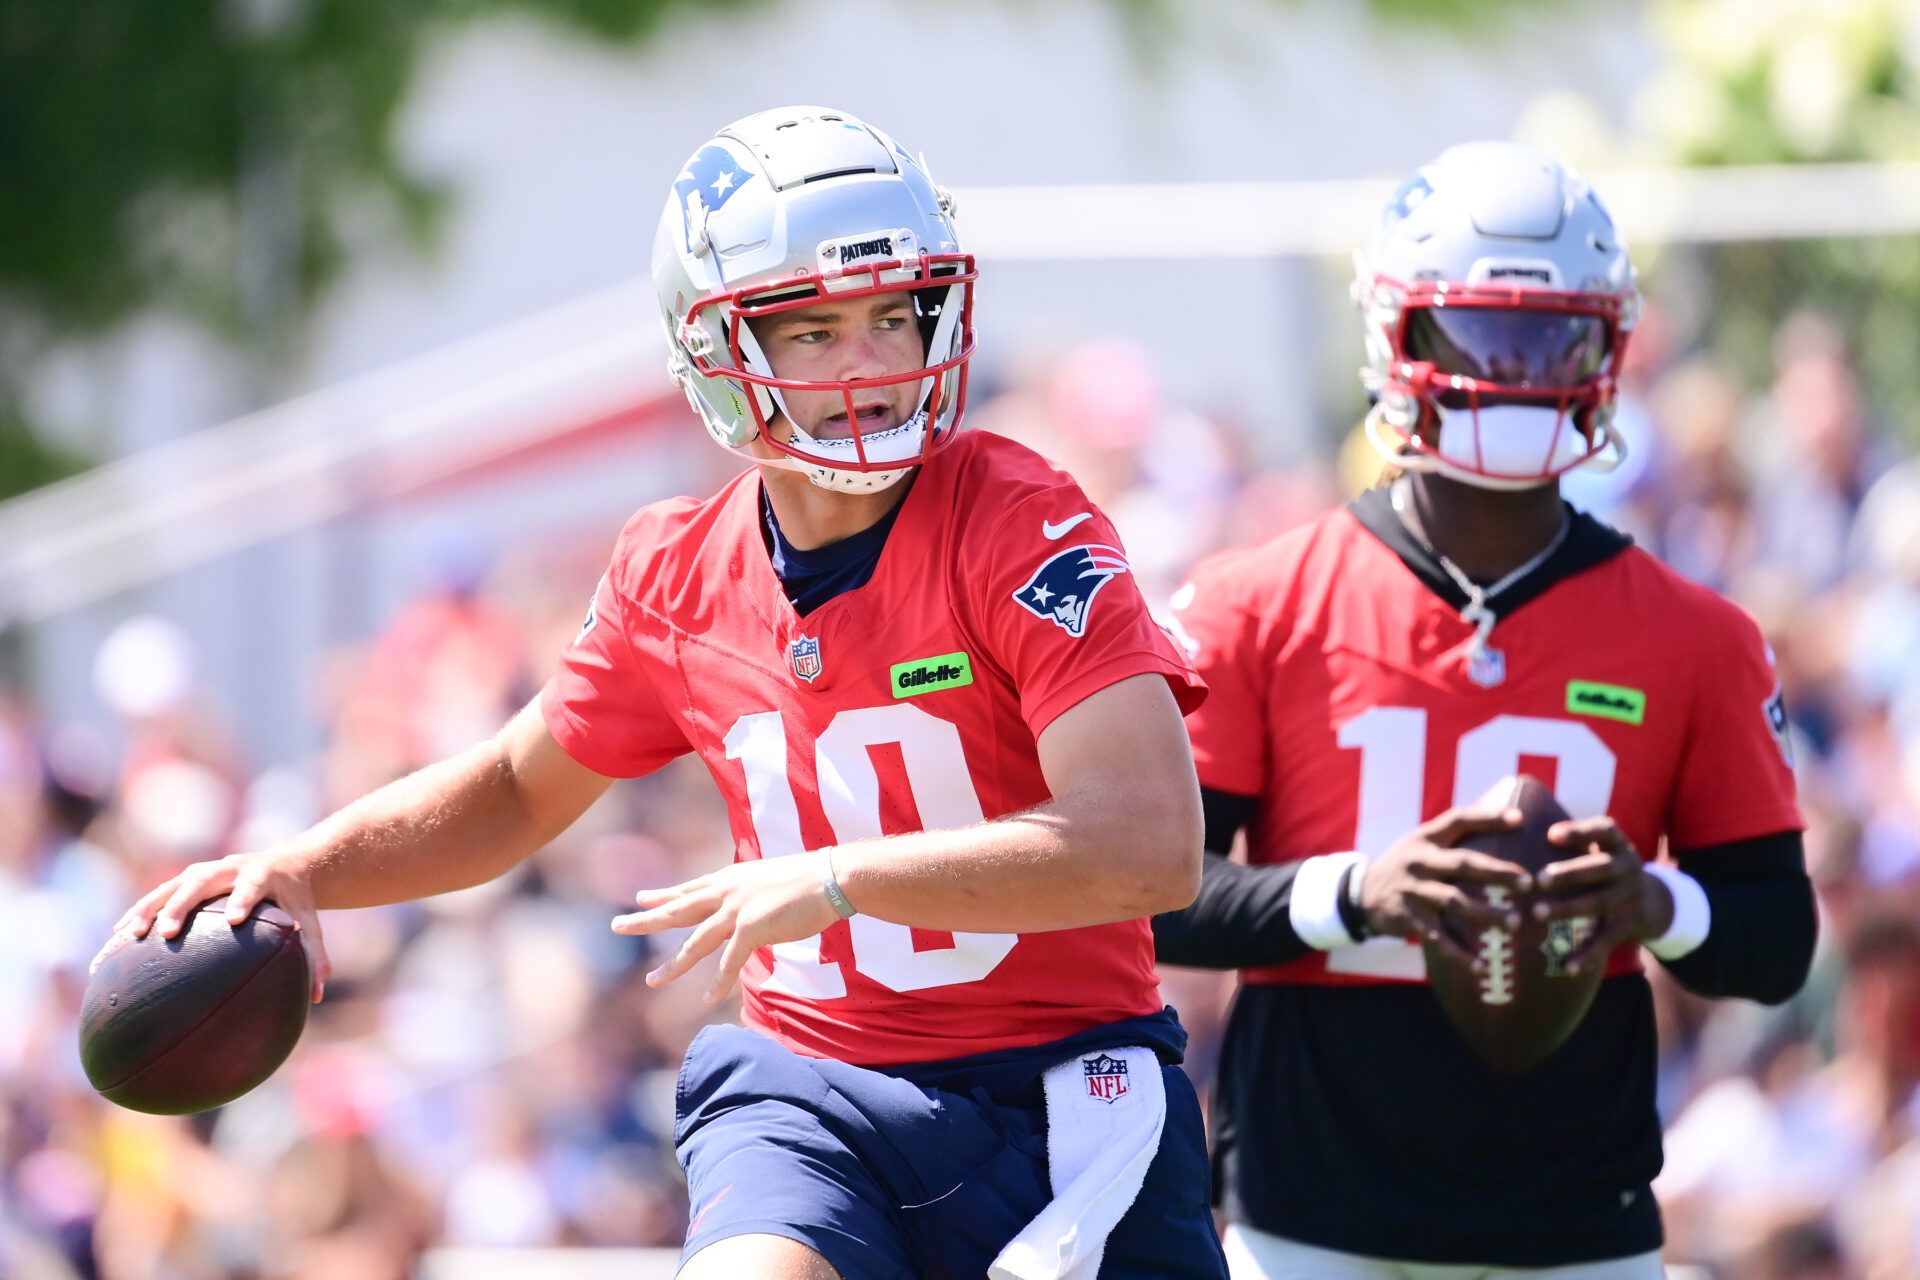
[(1692, 917), (1314, 905)]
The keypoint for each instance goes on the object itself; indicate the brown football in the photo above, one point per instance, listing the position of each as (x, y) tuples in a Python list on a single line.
[(192, 1022), (1524, 1004)]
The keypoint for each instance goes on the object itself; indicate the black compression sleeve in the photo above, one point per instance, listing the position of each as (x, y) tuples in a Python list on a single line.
[(1241, 916), (1760, 941), (1224, 813)]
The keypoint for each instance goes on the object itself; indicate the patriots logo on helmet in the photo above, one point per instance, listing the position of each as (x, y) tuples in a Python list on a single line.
[(1411, 195), (1106, 1077), (1062, 589), (706, 184)]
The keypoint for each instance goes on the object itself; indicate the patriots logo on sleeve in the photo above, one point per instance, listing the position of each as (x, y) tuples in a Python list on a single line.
[(593, 612), (1062, 589), (1775, 710), (707, 183)]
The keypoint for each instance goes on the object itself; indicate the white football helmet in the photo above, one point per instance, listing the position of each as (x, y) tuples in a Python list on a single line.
[(1498, 300), (778, 211)]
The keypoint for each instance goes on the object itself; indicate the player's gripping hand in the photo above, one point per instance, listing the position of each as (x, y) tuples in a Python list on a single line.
[(1425, 888), (735, 910), (248, 879), (1605, 881)]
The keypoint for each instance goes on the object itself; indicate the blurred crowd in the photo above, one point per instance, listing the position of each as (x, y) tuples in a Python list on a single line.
[(487, 1069)]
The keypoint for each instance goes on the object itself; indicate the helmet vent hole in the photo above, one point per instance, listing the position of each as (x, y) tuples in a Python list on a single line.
[(840, 173)]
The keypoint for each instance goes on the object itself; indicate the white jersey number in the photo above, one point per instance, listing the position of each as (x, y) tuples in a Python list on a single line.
[(943, 793), (1392, 742)]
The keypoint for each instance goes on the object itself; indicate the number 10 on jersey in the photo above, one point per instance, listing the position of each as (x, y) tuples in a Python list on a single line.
[(1392, 742), (849, 786)]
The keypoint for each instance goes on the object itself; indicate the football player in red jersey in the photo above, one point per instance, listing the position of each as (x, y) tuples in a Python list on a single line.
[(1374, 673), (950, 741)]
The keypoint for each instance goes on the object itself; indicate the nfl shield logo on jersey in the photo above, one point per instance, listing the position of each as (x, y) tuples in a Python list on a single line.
[(1062, 589), (1487, 667), (1106, 1077), (805, 653)]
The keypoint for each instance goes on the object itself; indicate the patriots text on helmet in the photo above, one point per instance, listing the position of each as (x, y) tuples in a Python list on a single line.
[(877, 248)]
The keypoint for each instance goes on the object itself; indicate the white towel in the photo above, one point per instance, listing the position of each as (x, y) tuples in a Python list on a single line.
[(1105, 1111)]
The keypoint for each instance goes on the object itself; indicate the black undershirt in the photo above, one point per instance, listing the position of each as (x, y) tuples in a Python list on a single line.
[(1588, 543), (1761, 902), (816, 575)]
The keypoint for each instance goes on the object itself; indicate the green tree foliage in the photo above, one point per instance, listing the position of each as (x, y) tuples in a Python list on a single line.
[(144, 144), (1790, 81), (27, 462), (207, 155)]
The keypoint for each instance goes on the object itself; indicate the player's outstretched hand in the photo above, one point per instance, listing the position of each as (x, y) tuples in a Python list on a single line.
[(248, 879), (1606, 881), (1423, 887), (734, 910)]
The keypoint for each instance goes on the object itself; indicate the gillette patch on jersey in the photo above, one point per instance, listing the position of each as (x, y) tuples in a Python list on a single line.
[(930, 675), (1062, 589), (1608, 701), (868, 246)]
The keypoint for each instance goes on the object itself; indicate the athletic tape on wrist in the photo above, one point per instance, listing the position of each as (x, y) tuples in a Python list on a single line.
[(1692, 916), (1314, 905)]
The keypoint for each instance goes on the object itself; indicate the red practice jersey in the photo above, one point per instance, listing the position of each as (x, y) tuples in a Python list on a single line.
[(1342, 698), (1000, 599)]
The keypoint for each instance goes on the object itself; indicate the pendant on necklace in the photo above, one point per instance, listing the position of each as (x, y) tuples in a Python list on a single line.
[(1486, 667)]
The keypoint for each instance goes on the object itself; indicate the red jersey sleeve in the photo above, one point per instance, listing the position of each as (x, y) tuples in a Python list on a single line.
[(1229, 730), (1054, 600), (1735, 779), (601, 705)]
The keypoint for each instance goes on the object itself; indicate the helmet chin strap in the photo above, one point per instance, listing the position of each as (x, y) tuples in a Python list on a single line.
[(837, 481), (1396, 444), (849, 479)]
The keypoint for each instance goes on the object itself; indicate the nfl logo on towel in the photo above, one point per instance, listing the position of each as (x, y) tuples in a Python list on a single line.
[(1106, 1077), (805, 653)]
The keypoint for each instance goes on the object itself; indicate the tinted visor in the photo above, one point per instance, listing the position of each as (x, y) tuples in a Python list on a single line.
[(1548, 350)]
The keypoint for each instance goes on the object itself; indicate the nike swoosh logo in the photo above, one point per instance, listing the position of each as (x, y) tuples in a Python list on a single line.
[(693, 1229), (1055, 532)]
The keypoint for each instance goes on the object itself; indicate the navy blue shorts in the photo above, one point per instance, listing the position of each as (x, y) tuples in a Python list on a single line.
[(920, 1171)]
